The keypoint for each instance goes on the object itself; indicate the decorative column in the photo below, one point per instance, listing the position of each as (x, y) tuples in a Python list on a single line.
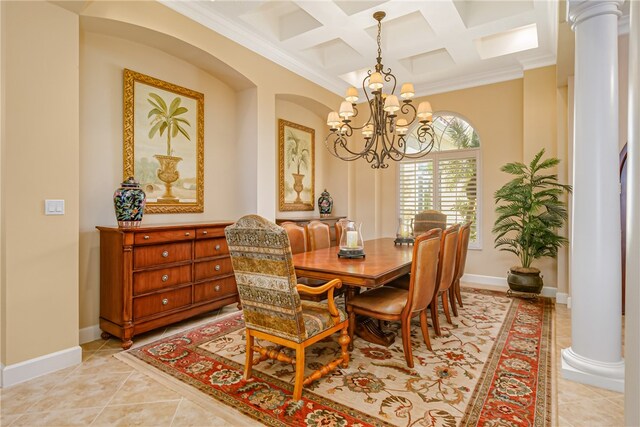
[(595, 355), (632, 313)]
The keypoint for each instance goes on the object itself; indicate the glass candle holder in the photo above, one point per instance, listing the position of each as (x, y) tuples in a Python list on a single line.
[(351, 243)]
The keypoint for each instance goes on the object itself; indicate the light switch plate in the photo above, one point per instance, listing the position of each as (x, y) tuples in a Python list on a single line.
[(53, 207)]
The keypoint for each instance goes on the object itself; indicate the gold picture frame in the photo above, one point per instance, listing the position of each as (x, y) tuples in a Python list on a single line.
[(164, 143), (296, 154)]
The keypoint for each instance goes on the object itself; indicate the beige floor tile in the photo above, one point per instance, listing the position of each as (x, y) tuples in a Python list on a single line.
[(564, 423), (81, 391), (139, 388), (103, 361), (592, 412), (93, 345), (75, 417), (157, 414), (191, 415), (570, 391), (19, 398), (6, 419), (618, 400)]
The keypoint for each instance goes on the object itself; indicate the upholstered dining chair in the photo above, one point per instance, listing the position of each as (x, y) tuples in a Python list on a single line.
[(319, 235), (427, 220), (446, 270), (297, 237), (298, 242), (461, 260), (269, 294), (392, 304)]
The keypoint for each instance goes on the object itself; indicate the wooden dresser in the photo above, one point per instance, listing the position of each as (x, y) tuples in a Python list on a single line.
[(153, 276), (329, 220)]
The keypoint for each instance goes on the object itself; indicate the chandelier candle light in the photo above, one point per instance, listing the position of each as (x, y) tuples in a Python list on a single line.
[(384, 133)]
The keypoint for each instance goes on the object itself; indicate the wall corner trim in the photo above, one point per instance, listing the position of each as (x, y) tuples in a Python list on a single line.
[(32, 368), (562, 298), (500, 284)]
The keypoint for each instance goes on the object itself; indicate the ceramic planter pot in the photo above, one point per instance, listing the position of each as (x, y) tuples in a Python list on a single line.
[(529, 280)]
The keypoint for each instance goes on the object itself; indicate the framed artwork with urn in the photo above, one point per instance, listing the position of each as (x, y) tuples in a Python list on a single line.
[(296, 166), (164, 143)]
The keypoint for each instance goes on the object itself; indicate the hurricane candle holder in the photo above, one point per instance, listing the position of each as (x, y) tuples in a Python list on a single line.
[(351, 243)]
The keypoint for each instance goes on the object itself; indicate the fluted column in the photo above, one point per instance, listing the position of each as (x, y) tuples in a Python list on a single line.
[(595, 355)]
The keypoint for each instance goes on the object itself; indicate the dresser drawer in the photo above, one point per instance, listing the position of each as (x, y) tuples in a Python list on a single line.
[(211, 269), (207, 233), (161, 254), (158, 303), (216, 289), (148, 281), (152, 237), (211, 247)]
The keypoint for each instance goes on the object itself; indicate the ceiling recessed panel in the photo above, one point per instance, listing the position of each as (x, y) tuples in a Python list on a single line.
[(351, 7), (428, 62), (402, 32), (332, 53), (507, 42), (479, 12), (296, 23)]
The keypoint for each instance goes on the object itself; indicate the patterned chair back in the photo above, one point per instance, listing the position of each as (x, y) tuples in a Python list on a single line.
[(427, 220), (263, 266)]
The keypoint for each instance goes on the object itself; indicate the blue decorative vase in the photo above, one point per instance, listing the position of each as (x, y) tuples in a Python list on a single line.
[(325, 203), (129, 201)]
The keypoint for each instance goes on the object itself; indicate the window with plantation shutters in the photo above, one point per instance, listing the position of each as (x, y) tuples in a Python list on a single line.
[(446, 179)]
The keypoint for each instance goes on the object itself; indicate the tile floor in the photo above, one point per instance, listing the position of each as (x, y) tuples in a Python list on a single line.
[(103, 391)]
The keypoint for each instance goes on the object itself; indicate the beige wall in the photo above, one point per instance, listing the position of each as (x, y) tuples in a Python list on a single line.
[(102, 59), (514, 120), (40, 155), (330, 173)]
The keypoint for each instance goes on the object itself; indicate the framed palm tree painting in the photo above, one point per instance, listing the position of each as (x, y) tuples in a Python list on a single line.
[(164, 143), (296, 166)]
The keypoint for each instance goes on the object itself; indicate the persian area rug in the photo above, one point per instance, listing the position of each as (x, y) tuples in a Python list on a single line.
[(491, 368)]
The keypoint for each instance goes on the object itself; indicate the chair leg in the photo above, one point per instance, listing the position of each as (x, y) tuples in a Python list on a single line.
[(352, 326), (406, 340), (248, 363), (425, 329), (445, 305), (457, 291), (344, 341), (434, 316), (299, 378), (452, 300)]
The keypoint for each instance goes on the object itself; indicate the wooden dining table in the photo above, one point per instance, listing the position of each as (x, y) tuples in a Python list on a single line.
[(383, 262)]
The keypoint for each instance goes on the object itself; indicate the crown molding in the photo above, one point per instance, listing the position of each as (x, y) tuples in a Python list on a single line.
[(470, 80)]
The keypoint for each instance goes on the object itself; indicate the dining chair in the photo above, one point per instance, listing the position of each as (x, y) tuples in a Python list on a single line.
[(269, 294), (427, 220), (392, 304), (297, 236), (319, 235), (446, 269), (461, 260)]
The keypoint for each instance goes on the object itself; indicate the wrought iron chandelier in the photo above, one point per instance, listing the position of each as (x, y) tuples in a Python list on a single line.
[(384, 132)]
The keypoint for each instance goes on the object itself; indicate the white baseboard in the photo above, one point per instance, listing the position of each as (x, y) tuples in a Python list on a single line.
[(88, 334), (500, 284), (562, 298), (24, 371)]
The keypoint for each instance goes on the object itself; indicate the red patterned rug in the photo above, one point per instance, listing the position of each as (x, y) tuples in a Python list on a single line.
[(492, 367)]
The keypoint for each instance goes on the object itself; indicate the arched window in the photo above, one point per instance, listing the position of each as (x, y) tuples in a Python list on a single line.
[(446, 179)]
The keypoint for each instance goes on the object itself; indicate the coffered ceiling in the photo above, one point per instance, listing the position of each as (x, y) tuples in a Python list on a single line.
[(438, 45)]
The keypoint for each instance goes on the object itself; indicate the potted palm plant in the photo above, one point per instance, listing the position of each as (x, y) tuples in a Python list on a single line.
[(529, 213)]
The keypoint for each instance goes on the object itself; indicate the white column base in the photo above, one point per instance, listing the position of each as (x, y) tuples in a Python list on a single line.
[(586, 371)]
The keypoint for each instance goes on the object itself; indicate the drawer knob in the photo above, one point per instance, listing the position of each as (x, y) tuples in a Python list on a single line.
[(187, 234), (165, 301), (217, 267), (165, 254), (146, 237), (205, 232), (217, 247), (217, 288), (165, 277)]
